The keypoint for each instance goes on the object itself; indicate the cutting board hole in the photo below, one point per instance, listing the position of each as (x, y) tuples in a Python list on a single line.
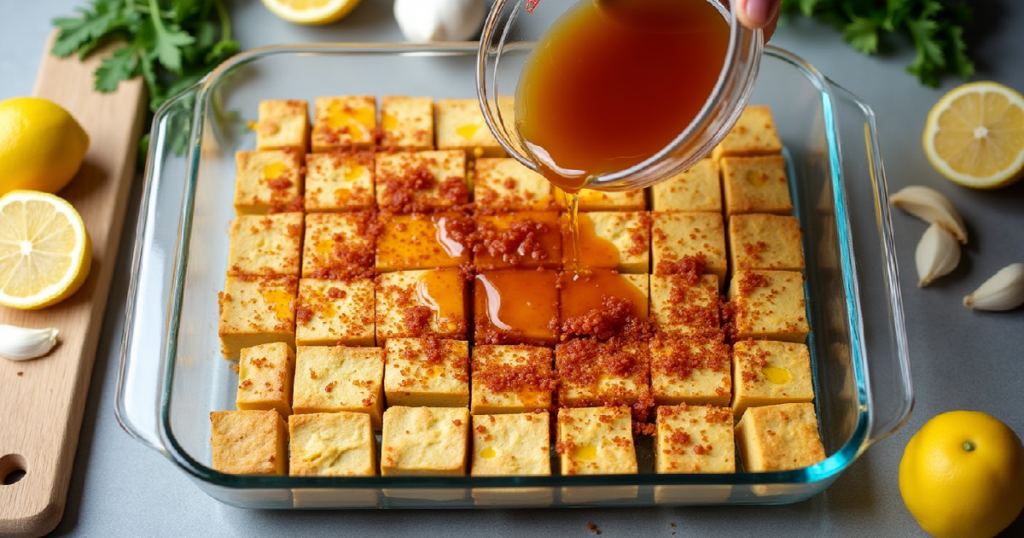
[(12, 469)]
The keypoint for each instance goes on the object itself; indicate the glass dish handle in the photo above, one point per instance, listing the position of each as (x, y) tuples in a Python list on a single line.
[(148, 307)]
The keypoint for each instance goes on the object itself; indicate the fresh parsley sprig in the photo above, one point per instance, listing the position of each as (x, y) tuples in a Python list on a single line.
[(935, 27)]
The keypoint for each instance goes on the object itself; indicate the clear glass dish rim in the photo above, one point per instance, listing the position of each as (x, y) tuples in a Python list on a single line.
[(821, 472)]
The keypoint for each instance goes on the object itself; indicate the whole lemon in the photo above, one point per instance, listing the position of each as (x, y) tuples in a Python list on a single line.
[(41, 145), (962, 475)]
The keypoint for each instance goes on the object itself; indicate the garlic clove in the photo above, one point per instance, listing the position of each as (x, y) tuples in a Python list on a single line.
[(19, 343), (1003, 291), (422, 21), (932, 206), (937, 254)]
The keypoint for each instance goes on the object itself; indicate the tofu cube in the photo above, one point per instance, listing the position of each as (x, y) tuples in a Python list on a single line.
[(267, 181), (674, 236), (344, 122), (336, 378), (332, 444), (338, 245), (426, 372), (764, 241), (265, 375), (254, 311), (511, 445), (594, 372), (506, 185), (407, 122), (339, 182), (753, 134), (335, 312), (421, 303), (249, 442), (460, 125), (422, 181), (283, 124), (679, 308), (601, 303), (265, 244), (592, 200), (423, 241), (769, 304), (756, 185), (690, 371), (420, 441), (527, 239), (596, 440), (779, 438), (511, 379), (770, 373), (515, 307), (698, 188), (610, 240), (694, 439)]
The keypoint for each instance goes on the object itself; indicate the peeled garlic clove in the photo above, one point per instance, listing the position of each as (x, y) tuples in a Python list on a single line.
[(1004, 291), (19, 343), (937, 254), (932, 206), (422, 21)]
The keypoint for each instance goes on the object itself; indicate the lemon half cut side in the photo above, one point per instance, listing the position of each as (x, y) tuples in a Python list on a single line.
[(311, 11)]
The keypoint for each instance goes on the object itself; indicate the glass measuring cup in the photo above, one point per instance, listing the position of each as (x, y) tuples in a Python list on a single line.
[(510, 34)]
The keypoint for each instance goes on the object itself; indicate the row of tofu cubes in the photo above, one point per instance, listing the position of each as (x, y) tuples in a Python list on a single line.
[(509, 306), (423, 441)]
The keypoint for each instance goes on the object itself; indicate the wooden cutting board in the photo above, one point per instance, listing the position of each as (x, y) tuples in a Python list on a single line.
[(41, 401)]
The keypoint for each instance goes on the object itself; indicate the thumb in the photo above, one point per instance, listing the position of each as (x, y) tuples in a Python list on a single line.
[(757, 13)]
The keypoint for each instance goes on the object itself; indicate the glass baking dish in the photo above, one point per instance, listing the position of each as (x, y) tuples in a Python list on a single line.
[(172, 374)]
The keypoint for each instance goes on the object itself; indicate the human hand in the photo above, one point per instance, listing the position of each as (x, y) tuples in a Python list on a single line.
[(763, 14)]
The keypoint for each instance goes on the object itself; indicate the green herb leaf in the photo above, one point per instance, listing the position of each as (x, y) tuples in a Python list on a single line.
[(121, 65), (862, 34), (86, 30)]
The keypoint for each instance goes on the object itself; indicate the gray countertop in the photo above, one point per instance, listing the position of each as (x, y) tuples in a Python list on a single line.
[(960, 359)]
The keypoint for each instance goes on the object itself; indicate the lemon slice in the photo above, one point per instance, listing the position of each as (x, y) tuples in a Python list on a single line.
[(45, 252), (975, 135), (311, 11)]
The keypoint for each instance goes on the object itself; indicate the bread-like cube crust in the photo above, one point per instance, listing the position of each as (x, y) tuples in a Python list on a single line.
[(407, 122), (681, 309), (515, 307), (779, 438), (677, 235), (594, 372), (769, 304), (408, 182), (337, 245), (596, 440), (337, 378), (694, 439), (511, 379), (753, 134), (586, 302), (421, 303), (763, 241), (332, 444), (756, 185), (283, 124), (335, 312), (267, 181), (525, 239), (420, 241), (249, 442), (770, 373), (698, 188), (343, 122), (610, 240), (507, 185), (592, 200), (511, 445), (339, 181), (265, 375), (460, 125), (425, 441), (265, 244), (690, 371), (426, 372), (256, 310)]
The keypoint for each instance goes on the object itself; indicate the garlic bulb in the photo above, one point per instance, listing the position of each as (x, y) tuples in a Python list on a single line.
[(439, 20), (19, 343), (1003, 291), (937, 254)]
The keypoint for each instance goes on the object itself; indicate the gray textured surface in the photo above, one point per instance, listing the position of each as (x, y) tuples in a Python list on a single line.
[(960, 359)]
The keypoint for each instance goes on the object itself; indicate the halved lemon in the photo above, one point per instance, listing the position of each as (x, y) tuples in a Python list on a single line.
[(975, 135), (311, 11), (45, 252)]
